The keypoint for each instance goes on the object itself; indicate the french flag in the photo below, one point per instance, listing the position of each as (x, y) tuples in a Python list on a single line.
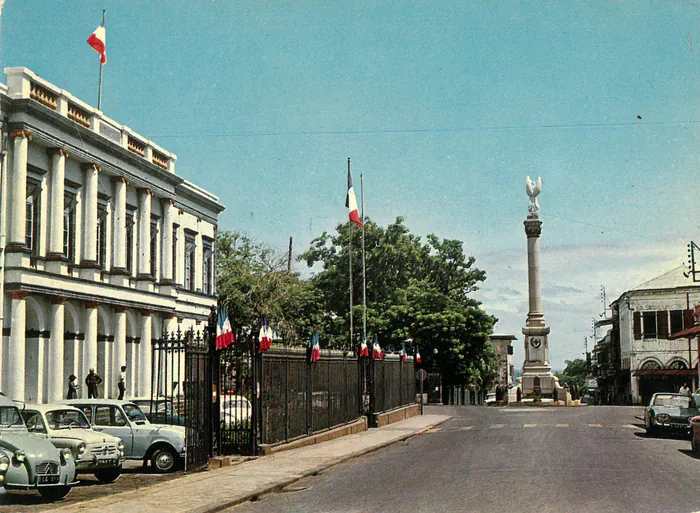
[(419, 360), (351, 201), (98, 41), (265, 336), (224, 334), (377, 353), (315, 347), (364, 350), (403, 353)]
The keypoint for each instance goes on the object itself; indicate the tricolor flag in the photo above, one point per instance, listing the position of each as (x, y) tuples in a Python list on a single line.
[(265, 336), (364, 350), (315, 347), (98, 41), (419, 360), (377, 353), (351, 201), (403, 353), (224, 335)]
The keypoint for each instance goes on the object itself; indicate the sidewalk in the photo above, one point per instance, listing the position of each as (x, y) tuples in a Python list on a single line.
[(217, 489)]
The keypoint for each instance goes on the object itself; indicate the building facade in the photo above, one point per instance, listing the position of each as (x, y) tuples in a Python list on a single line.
[(103, 246), (638, 357), (503, 344)]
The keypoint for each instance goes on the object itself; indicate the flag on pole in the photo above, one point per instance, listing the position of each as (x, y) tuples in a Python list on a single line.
[(224, 334), (403, 353), (265, 336), (351, 201), (419, 360), (315, 347), (98, 42), (364, 350), (377, 353)]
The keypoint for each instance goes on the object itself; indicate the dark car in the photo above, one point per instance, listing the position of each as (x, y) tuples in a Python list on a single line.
[(669, 412), (160, 411)]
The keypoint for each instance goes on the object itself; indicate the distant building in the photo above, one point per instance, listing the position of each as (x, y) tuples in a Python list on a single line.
[(638, 357), (103, 246), (504, 347)]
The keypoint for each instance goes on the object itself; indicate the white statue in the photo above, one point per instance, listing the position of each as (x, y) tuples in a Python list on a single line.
[(533, 189)]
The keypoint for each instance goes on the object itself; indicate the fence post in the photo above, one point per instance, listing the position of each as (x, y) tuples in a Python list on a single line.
[(286, 396)]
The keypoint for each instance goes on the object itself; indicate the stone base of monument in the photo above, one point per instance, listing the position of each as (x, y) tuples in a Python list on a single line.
[(538, 383)]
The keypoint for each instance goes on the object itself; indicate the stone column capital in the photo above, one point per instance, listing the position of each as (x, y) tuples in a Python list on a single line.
[(121, 179), (18, 294), (145, 190), (21, 133), (92, 304), (146, 313), (90, 166), (58, 300), (533, 227), (58, 151), (120, 309)]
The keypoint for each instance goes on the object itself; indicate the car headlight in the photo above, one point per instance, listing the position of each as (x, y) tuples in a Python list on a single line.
[(20, 456), (120, 447), (4, 463), (81, 447), (65, 456), (663, 417)]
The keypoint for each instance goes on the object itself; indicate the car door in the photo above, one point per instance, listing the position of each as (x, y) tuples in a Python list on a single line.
[(110, 419)]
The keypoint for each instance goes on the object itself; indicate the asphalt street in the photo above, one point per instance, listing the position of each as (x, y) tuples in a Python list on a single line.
[(489, 459)]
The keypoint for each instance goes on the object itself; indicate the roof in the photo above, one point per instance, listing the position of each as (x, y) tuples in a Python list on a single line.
[(666, 372), (502, 337), (669, 280), (48, 407), (115, 402)]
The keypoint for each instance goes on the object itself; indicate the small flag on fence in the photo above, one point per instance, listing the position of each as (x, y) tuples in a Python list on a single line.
[(224, 334), (315, 347), (377, 353), (419, 360), (364, 350), (265, 336), (403, 353)]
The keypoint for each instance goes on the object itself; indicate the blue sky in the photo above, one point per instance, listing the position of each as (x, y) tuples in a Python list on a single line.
[(444, 106)]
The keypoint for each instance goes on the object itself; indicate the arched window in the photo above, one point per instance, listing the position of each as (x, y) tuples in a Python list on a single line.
[(678, 365), (650, 364)]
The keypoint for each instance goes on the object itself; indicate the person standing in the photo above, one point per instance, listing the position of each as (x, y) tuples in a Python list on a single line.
[(684, 389), (92, 380), (121, 384), (72, 387)]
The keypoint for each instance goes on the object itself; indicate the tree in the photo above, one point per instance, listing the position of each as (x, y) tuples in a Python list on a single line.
[(574, 374), (417, 295)]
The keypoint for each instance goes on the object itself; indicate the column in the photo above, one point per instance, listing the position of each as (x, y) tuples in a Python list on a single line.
[(57, 177), (119, 246), (55, 365), (167, 276), (145, 354), (17, 350), (90, 347), (533, 230), (90, 215), (144, 234), (119, 358), (18, 190)]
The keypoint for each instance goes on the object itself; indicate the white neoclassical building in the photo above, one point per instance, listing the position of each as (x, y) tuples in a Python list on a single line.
[(103, 246)]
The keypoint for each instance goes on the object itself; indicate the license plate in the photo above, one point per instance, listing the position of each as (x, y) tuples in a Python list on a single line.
[(43, 480)]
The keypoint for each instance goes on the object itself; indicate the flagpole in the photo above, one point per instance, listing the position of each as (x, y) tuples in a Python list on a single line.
[(350, 265), (364, 270), (99, 90)]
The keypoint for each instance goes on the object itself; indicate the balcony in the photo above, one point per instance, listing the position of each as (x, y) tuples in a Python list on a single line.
[(24, 84)]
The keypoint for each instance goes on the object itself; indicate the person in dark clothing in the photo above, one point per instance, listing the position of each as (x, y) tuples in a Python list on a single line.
[(72, 387), (519, 394), (121, 384), (92, 380)]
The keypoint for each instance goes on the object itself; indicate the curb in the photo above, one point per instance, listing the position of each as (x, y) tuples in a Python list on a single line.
[(255, 495)]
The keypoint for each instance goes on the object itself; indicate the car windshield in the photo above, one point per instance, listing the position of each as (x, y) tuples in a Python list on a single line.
[(134, 413), (66, 419), (10, 418), (677, 401)]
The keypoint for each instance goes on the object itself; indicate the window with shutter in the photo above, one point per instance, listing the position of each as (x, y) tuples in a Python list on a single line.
[(662, 319), (637, 325), (649, 324)]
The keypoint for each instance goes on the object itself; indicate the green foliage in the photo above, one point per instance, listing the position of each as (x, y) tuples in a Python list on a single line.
[(417, 295), (574, 374)]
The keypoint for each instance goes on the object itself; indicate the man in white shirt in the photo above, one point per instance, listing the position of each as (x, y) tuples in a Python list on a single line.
[(684, 389), (121, 384)]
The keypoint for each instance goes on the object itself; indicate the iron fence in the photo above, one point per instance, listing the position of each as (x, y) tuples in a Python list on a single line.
[(392, 384)]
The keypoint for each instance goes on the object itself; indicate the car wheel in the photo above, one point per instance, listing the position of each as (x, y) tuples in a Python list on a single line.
[(164, 460), (54, 493), (650, 427), (108, 475)]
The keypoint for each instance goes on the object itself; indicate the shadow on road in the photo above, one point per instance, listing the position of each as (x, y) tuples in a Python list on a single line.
[(690, 453)]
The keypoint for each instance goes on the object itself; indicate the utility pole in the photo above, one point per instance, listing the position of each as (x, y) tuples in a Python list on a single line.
[(603, 300), (289, 256)]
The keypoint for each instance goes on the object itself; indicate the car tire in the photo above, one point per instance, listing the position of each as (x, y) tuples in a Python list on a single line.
[(693, 446), (651, 428), (164, 460), (108, 475), (54, 493)]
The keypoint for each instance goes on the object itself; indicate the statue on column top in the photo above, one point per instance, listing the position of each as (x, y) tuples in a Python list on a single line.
[(533, 189)]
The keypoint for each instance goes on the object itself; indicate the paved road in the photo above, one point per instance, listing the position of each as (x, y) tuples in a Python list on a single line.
[(487, 459)]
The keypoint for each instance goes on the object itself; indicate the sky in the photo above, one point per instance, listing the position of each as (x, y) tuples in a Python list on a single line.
[(444, 107)]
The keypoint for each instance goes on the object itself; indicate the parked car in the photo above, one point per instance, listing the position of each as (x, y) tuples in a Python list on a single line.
[(669, 412), (67, 427), (159, 411), (163, 446), (235, 409), (30, 462), (490, 398)]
